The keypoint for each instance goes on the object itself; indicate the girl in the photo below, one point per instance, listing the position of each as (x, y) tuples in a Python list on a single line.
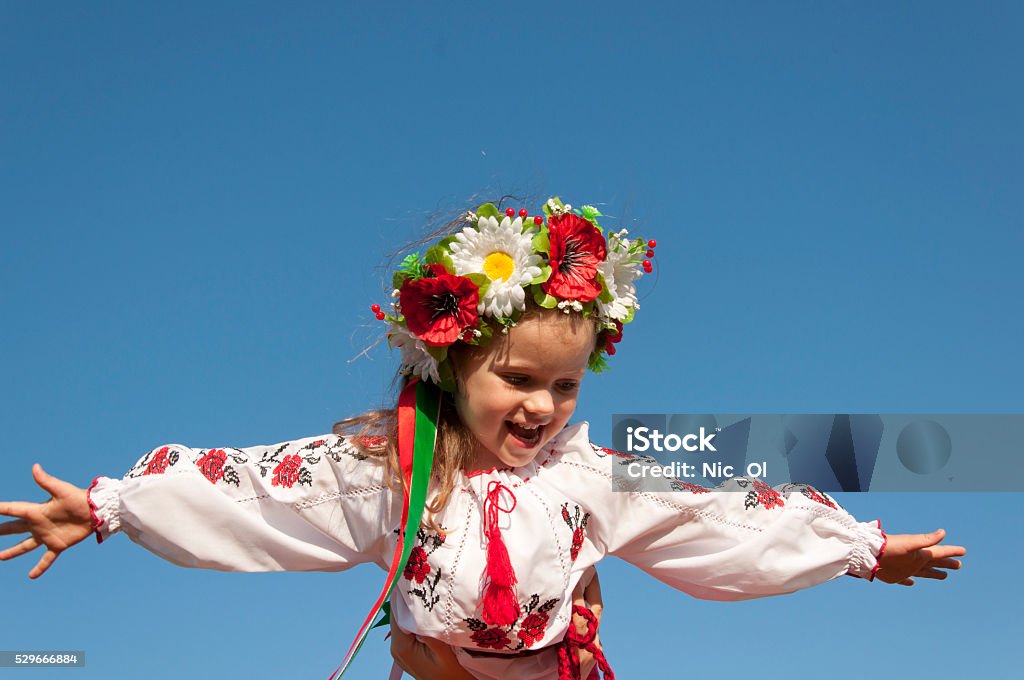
[(505, 316)]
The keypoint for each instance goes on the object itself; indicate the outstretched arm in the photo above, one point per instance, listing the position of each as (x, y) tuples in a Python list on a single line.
[(57, 524)]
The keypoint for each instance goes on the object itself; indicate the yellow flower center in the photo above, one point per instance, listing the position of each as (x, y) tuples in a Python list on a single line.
[(499, 265)]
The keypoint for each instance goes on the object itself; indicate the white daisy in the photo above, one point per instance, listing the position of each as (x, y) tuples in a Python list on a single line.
[(505, 255), (415, 358), (619, 270)]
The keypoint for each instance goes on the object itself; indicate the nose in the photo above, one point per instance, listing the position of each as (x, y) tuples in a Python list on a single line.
[(539, 402)]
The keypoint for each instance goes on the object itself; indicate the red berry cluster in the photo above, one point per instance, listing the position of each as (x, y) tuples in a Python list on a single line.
[(651, 245), (375, 308), (524, 213)]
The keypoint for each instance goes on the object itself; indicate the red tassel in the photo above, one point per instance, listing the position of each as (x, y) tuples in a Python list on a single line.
[(500, 605)]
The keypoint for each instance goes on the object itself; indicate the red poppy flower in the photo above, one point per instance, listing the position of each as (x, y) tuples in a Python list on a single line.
[(212, 464), (577, 247), (417, 568), (611, 338), (287, 471), (158, 463), (495, 638), (438, 309), (532, 628)]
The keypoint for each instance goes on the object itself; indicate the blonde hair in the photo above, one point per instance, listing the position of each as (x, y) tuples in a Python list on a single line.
[(375, 433)]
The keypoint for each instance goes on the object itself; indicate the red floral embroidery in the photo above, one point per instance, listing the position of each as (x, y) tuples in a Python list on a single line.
[(577, 543), (212, 464), (577, 521), (287, 471), (439, 308), (577, 247), (423, 578), (811, 493), (495, 638), (531, 630), (158, 463), (417, 568), (767, 496), (373, 441), (534, 621)]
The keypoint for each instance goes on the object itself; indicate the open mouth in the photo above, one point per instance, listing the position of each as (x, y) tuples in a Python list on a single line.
[(526, 436)]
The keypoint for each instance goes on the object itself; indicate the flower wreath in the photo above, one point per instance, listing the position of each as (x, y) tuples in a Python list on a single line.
[(475, 282)]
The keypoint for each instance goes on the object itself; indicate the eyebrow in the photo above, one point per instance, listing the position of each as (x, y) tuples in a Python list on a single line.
[(509, 366)]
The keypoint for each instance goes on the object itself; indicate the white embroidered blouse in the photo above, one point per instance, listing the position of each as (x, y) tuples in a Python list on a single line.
[(320, 504)]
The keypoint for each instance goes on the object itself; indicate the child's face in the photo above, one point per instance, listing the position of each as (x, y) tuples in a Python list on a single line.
[(520, 391)]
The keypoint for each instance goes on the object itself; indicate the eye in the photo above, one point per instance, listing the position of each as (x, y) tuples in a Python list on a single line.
[(568, 385), (514, 379)]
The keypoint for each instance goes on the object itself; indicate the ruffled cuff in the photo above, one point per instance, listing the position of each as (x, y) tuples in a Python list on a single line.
[(868, 549), (105, 506)]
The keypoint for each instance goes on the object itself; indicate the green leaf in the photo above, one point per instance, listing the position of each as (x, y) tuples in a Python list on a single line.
[(481, 281), (486, 333), (488, 210), (398, 279), (543, 299), (606, 295), (545, 274), (439, 353), (590, 212), (446, 377), (547, 208), (439, 255), (598, 363), (542, 242), (629, 316)]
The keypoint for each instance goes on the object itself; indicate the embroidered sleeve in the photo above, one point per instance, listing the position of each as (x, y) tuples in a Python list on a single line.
[(741, 540), (313, 504)]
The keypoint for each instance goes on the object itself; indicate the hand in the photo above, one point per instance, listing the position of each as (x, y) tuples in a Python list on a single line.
[(425, 658), (58, 524), (588, 594), (909, 555)]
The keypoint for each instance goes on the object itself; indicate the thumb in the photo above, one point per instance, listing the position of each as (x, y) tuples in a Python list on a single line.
[(48, 482), (928, 540)]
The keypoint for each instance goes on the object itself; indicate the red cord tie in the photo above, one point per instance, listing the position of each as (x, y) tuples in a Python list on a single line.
[(500, 603), (569, 660)]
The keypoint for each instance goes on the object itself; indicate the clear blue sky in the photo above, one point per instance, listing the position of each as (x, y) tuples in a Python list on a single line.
[(195, 201)]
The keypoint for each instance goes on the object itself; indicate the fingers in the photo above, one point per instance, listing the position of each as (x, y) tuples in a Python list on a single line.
[(946, 564), (942, 551), (15, 526), (15, 508), (25, 546), (44, 563)]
